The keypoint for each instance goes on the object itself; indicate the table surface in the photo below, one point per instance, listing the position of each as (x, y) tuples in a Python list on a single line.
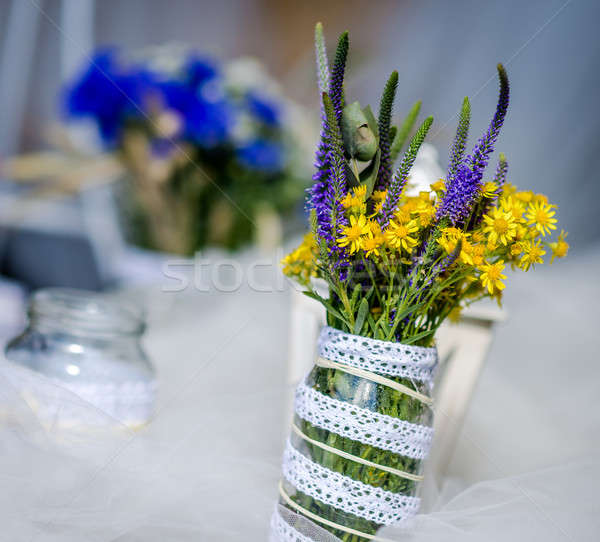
[(207, 466)]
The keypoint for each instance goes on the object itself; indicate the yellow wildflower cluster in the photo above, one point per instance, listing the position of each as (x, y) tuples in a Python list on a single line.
[(364, 235), (511, 230), (301, 263)]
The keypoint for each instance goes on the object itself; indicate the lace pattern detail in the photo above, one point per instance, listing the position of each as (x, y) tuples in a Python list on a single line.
[(383, 357), (345, 419), (342, 492)]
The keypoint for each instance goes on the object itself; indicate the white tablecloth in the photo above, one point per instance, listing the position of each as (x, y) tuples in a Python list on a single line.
[(206, 468)]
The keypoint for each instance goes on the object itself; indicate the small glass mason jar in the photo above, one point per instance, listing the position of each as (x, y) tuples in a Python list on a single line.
[(90, 345)]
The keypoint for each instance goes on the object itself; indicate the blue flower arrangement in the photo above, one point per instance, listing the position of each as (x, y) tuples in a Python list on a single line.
[(203, 153)]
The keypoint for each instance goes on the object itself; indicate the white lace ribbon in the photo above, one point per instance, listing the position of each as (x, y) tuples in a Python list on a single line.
[(348, 420), (383, 357), (344, 493)]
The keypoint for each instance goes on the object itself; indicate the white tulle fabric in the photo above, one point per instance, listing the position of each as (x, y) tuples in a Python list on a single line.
[(382, 357), (288, 526), (363, 425), (344, 493), (282, 531), (207, 466), (132, 403)]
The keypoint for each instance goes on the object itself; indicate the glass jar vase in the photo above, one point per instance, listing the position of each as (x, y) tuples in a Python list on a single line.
[(88, 344), (361, 431)]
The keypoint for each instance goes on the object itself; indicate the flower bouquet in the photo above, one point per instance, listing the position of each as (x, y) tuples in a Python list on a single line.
[(208, 149), (396, 266)]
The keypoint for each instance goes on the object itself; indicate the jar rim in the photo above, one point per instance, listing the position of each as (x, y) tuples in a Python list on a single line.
[(85, 312)]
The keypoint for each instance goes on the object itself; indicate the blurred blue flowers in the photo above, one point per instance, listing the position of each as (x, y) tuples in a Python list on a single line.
[(108, 94), (193, 137), (263, 110), (262, 155), (114, 94)]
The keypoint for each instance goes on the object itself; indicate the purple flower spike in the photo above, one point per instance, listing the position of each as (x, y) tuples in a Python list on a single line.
[(336, 87), (464, 186)]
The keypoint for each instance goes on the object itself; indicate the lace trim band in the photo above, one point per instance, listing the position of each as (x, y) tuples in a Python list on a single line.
[(324, 521), (342, 492), (394, 359), (345, 455), (379, 430)]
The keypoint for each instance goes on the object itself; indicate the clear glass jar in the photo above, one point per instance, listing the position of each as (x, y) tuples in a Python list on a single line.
[(89, 344)]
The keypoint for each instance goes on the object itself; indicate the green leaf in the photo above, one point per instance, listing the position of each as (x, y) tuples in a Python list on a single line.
[(372, 324), (401, 314), (373, 126), (405, 129), (355, 294), (330, 309), (418, 336), (351, 178), (363, 310), (368, 176), (384, 329), (360, 141)]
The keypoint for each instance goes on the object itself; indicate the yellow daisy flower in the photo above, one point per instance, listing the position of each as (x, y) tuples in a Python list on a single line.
[(371, 244), (523, 233), (478, 236), (532, 254), (374, 227), (300, 262), (439, 186), (348, 201), (489, 189), (524, 197), (560, 248), (399, 237), (466, 253), (352, 234), (449, 238), (379, 195), (360, 191), (491, 246), (355, 199), (540, 215), (491, 276), (425, 212), (508, 189), (402, 215), (500, 226), (424, 196), (514, 206), (477, 253), (516, 248), (377, 209)]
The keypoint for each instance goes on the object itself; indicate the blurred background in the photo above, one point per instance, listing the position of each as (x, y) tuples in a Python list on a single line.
[(102, 211), (442, 50)]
